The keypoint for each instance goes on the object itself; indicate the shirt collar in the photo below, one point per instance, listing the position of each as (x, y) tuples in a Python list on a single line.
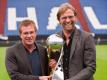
[(72, 32)]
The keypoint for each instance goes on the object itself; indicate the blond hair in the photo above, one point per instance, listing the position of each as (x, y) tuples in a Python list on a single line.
[(64, 7), (27, 22)]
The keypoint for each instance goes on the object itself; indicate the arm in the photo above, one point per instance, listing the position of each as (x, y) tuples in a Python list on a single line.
[(89, 61), (12, 67)]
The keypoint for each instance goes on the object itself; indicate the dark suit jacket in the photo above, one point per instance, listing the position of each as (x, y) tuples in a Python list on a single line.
[(18, 65), (82, 63)]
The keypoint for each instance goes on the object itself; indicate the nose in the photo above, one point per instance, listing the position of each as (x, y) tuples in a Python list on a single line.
[(68, 19), (29, 35)]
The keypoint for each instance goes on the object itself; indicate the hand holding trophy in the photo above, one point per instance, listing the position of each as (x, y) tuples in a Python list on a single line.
[(55, 52)]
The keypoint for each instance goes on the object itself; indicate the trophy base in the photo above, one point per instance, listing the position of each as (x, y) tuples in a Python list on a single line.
[(58, 75)]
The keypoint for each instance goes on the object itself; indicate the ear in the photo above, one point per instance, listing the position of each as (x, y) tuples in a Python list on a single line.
[(20, 36), (76, 19), (59, 23)]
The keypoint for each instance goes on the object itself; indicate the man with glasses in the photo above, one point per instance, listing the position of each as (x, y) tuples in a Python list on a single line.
[(79, 59), (26, 60)]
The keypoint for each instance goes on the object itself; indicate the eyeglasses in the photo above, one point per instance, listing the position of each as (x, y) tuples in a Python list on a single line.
[(65, 17), (28, 33)]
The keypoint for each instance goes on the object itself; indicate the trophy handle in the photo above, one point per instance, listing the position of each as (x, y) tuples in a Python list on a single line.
[(58, 70)]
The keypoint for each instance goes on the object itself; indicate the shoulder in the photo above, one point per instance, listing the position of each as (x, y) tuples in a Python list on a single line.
[(87, 38), (12, 50), (84, 34), (39, 46), (42, 50), (14, 47)]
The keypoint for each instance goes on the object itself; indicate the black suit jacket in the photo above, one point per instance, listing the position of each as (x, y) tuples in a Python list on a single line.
[(18, 65), (82, 62)]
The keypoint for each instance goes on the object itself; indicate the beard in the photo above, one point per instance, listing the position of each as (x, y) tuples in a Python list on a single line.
[(68, 24)]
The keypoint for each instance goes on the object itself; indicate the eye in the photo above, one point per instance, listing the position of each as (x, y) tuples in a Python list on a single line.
[(25, 33), (31, 32), (64, 17), (70, 17)]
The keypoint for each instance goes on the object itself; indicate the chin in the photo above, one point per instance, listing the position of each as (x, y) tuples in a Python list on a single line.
[(30, 43)]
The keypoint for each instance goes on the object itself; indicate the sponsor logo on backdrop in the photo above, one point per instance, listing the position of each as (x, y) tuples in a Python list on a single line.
[(44, 15)]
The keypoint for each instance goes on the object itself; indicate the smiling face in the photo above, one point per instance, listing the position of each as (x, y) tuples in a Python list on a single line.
[(67, 20), (67, 16), (28, 35)]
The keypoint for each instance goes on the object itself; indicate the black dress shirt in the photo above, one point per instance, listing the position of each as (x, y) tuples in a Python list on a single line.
[(67, 50)]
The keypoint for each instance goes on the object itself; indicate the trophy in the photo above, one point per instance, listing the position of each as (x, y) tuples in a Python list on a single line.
[(55, 47)]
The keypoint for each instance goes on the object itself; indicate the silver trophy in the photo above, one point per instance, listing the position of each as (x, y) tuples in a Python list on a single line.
[(55, 46)]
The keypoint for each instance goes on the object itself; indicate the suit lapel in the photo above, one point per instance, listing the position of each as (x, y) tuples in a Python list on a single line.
[(41, 57), (74, 42), (24, 56)]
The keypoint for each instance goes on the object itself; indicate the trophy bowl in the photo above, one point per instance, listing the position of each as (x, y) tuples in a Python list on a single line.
[(54, 42)]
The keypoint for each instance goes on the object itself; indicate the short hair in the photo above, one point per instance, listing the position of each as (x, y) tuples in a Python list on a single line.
[(64, 7), (27, 22)]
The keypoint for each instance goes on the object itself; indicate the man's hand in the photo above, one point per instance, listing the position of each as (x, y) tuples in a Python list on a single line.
[(45, 77), (52, 63)]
